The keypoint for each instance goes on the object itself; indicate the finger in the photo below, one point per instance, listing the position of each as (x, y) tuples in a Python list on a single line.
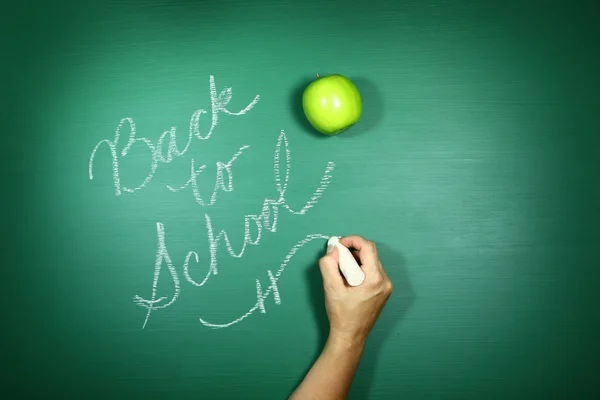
[(329, 266), (359, 243), (367, 251)]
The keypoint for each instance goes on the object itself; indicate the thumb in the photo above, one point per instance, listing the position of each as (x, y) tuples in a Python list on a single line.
[(328, 264)]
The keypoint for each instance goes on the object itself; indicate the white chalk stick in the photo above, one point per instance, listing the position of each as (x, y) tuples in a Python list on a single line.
[(350, 269)]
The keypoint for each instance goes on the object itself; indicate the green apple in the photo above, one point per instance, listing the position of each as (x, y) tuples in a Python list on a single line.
[(332, 104)]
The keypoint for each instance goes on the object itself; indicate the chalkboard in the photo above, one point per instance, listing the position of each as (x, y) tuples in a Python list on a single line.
[(166, 200)]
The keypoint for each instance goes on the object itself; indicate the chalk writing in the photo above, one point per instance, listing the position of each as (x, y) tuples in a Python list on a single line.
[(219, 183), (218, 105), (260, 295), (267, 218), (161, 254), (255, 225)]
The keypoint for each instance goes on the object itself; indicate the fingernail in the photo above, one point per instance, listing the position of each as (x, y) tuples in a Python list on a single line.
[(330, 248)]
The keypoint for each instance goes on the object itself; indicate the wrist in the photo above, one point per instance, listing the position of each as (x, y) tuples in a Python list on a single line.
[(343, 342)]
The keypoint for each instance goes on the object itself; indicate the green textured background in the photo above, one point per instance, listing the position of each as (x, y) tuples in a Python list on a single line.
[(474, 167)]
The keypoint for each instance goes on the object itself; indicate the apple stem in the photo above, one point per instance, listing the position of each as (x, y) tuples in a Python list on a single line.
[(318, 76)]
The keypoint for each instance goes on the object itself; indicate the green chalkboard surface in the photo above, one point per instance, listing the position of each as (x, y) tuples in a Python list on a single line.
[(165, 200)]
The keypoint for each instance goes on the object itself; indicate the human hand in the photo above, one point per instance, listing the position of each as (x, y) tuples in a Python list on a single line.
[(353, 311)]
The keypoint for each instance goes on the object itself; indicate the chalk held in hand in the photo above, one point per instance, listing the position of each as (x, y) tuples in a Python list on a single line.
[(350, 269)]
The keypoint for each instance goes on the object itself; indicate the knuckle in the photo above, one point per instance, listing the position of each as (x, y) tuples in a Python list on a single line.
[(388, 287), (377, 279), (323, 267), (323, 261), (370, 245)]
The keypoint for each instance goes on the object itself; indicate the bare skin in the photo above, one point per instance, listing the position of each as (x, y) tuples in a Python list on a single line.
[(352, 313)]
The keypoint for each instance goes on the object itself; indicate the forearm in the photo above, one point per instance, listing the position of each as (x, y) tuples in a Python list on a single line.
[(331, 375)]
